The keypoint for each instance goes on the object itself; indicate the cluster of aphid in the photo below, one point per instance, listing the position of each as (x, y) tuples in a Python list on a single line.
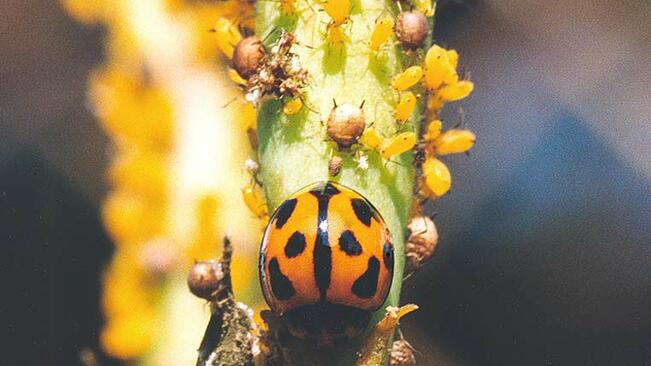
[(277, 72), (261, 72), (347, 125)]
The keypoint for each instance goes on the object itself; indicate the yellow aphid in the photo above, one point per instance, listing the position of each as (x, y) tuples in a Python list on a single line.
[(227, 36), (456, 91), (254, 201), (434, 103), (405, 107), (437, 176), (438, 69), (336, 36), (453, 58), (338, 10), (427, 7), (247, 115), (433, 130), (287, 6), (235, 77), (408, 78), (293, 106), (381, 32), (399, 144), (435, 54), (371, 139), (454, 142)]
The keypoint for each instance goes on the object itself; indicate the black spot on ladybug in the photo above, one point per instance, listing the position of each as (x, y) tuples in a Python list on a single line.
[(284, 212), (295, 245), (388, 256), (363, 211), (349, 244), (281, 286), (366, 285)]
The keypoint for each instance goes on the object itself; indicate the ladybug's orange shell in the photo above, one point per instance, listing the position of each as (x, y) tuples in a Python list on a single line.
[(326, 247)]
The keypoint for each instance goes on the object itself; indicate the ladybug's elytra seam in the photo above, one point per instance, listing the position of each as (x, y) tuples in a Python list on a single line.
[(322, 256)]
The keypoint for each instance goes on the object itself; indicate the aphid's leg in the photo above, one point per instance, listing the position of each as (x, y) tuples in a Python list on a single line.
[(424, 224), (310, 6), (399, 5), (229, 102), (271, 32), (408, 275), (462, 119), (307, 105), (400, 335)]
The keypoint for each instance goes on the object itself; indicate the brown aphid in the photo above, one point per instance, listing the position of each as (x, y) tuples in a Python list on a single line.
[(205, 279), (421, 242), (402, 354), (411, 29), (247, 55), (346, 124), (334, 165)]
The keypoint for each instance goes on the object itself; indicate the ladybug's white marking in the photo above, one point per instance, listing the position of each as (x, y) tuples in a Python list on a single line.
[(323, 226)]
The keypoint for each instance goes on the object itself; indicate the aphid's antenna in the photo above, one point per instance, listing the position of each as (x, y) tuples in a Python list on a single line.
[(400, 335), (462, 119), (229, 102), (272, 31), (334, 102), (395, 162), (408, 275), (307, 105), (362, 105)]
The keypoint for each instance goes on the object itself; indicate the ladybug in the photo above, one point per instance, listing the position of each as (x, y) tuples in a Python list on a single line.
[(326, 262)]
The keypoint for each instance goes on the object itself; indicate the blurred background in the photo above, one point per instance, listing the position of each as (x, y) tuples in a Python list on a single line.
[(544, 255)]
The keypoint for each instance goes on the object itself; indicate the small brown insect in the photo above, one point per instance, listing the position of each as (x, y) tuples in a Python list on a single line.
[(402, 354), (334, 165), (421, 242), (247, 55), (346, 124), (279, 73), (411, 29), (205, 279)]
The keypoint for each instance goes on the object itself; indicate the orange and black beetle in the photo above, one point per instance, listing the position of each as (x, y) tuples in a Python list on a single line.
[(326, 261)]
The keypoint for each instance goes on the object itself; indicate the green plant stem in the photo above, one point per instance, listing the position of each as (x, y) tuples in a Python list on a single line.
[(294, 150)]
